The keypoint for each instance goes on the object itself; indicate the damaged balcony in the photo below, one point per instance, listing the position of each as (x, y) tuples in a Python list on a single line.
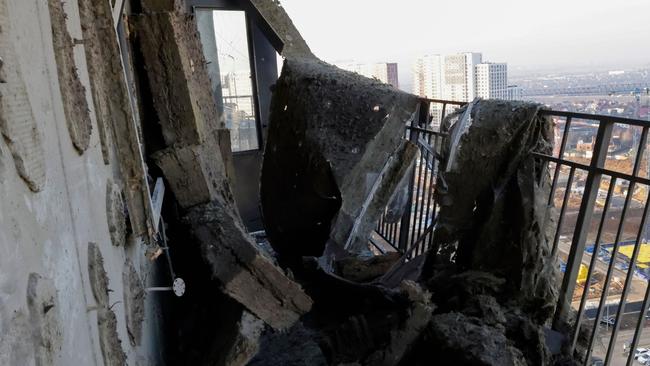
[(315, 217)]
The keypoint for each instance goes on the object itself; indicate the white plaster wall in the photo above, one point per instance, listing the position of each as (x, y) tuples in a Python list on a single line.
[(48, 232)]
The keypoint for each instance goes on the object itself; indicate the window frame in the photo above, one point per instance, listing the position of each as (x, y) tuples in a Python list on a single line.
[(229, 5)]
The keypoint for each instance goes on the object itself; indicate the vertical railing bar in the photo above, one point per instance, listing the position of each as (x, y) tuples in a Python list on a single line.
[(417, 197), (435, 166), (386, 232), (565, 134), (610, 272), (592, 265), (384, 228), (644, 310), (629, 274), (419, 202), (583, 224), (565, 202), (418, 219), (442, 115), (424, 160), (556, 176), (396, 234), (635, 251), (432, 184), (431, 188), (434, 169), (406, 219), (646, 299), (640, 151)]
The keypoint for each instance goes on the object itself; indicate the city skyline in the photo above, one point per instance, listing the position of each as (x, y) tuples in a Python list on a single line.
[(587, 35)]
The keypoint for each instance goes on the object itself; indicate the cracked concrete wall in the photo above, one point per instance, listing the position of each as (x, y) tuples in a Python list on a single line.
[(53, 203)]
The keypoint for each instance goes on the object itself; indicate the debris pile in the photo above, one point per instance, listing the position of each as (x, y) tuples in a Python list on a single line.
[(335, 158), (486, 290)]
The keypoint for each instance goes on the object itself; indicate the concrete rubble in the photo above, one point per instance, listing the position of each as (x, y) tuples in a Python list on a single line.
[(488, 284), (192, 164), (80, 282), (334, 156)]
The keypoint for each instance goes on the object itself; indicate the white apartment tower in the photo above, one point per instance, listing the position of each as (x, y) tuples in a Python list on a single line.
[(427, 81), (450, 77), (492, 80), (459, 76)]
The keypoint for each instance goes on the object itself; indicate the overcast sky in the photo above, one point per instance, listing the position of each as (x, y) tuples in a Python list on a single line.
[(524, 33)]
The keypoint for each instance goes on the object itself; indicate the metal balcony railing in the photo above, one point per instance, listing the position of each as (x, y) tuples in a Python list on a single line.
[(598, 210)]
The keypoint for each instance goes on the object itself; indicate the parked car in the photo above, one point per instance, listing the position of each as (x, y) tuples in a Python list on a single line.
[(641, 352), (597, 361), (608, 320), (644, 359)]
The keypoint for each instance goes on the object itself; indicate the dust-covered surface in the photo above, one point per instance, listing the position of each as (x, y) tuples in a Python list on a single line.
[(244, 273), (487, 290), (45, 324), (190, 160), (109, 341), (73, 92), (47, 308), (113, 108), (180, 86), (115, 214), (245, 343), (332, 136), (278, 19), (17, 121), (496, 218), (490, 269), (134, 305)]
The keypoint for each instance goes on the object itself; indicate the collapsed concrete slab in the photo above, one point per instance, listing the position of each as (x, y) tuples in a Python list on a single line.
[(490, 269), (244, 273), (192, 164), (334, 154), (490, 273), (494, 221)]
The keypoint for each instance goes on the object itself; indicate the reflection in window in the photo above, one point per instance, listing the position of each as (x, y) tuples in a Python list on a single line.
[(225, 45)]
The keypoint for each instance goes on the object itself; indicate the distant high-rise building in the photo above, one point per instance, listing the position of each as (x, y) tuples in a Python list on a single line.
[(492, 80), (427, 76), (458, 77), (384, 72), (428, 82), (514, 92)]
